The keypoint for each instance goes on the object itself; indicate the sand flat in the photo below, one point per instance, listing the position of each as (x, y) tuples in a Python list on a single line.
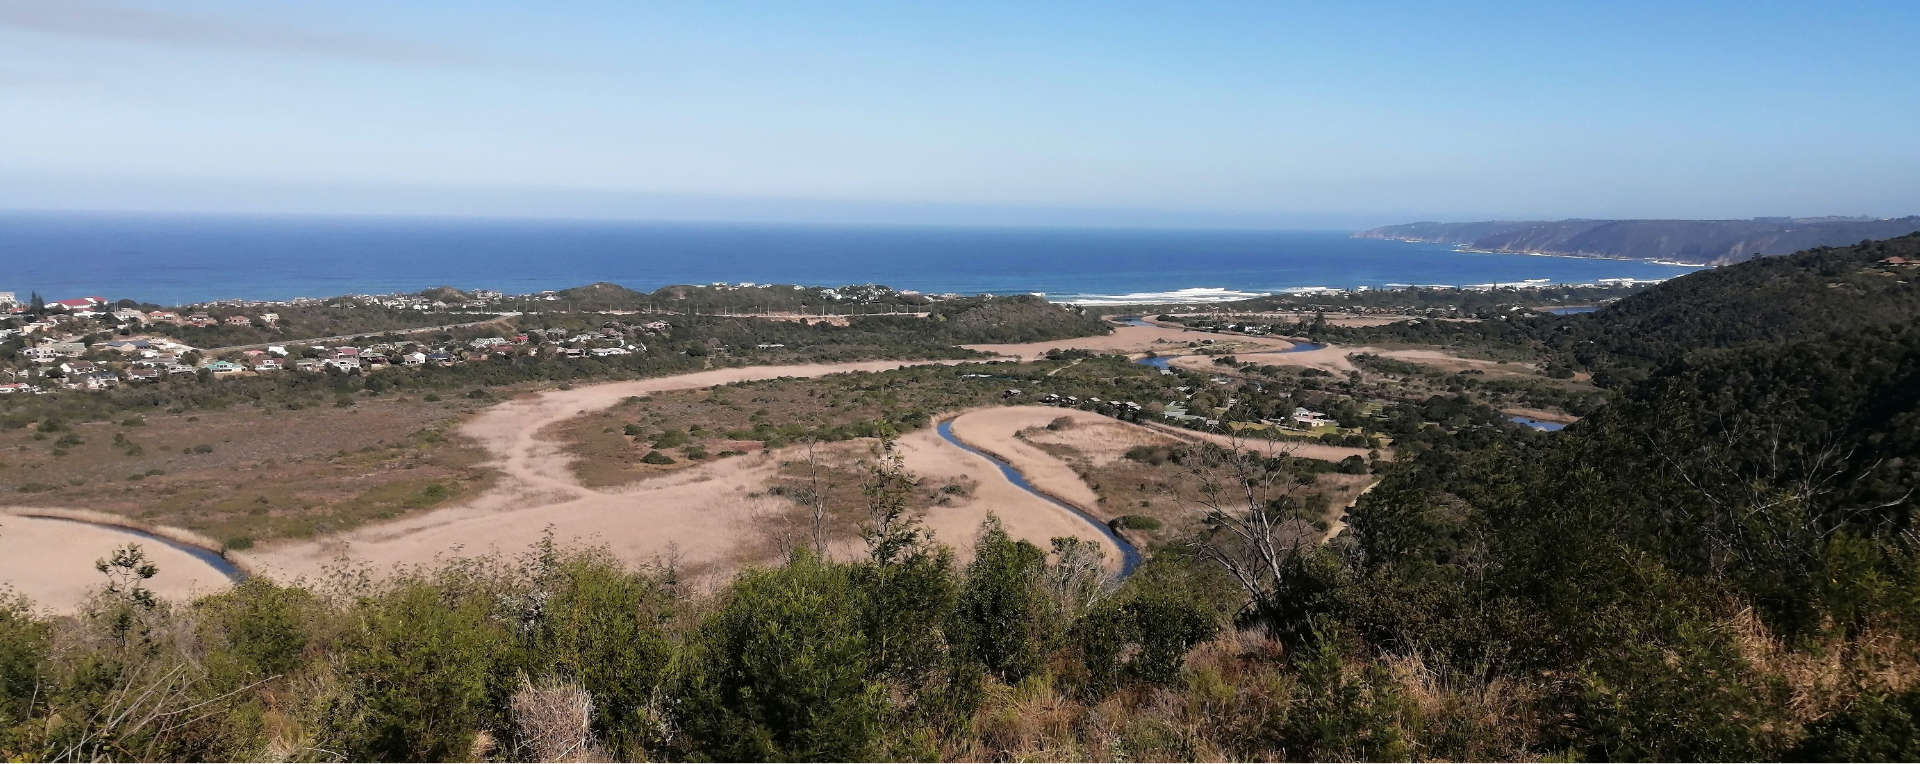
[(50, 561)]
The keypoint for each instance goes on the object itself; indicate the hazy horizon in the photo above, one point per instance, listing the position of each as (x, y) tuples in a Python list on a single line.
[(1204, 115)]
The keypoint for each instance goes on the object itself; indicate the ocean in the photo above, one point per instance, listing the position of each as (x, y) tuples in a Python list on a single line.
[(180, 259)]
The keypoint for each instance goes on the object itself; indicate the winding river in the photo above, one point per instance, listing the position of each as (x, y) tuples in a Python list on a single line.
[(212, 559), (1129, 555)]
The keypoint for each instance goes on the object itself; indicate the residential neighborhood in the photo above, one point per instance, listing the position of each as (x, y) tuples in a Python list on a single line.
[(89, 344)]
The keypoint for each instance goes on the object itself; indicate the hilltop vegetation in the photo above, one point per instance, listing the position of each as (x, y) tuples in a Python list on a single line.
[(1703, 241), (1825, 294)]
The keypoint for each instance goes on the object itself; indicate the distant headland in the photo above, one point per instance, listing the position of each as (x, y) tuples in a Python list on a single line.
[(1705, 242)]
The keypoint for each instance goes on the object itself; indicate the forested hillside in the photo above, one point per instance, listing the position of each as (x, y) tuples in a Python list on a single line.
[(1772, 300), (1701, 241)]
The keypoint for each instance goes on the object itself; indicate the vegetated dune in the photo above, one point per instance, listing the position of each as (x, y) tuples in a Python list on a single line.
[(50, 560), (1330, 358), (1100, 440), (1131, 339), (1263, 446)]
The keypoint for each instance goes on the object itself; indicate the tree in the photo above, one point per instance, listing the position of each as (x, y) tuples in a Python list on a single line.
[(1251, 532), (1002, 621)]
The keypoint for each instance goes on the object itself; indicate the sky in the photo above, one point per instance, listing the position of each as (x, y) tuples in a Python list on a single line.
[(1177, 114)]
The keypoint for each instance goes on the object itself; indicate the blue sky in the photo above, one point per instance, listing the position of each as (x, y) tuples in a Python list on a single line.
[(1110, 113)]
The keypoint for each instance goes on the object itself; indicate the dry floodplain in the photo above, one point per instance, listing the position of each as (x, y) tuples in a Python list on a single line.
[(708, 519)]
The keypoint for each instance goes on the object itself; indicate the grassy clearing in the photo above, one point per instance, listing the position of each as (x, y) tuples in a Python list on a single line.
[(249, 475)]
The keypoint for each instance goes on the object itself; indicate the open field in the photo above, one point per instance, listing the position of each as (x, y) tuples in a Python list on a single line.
[(247, 474)]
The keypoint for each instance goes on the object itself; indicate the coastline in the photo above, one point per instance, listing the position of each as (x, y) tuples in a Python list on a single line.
[(1466, 249)]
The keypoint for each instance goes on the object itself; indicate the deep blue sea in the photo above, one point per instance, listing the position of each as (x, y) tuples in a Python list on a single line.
[(178, 259)]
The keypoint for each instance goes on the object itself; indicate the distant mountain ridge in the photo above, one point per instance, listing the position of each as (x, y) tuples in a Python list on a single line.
[(1714, 242)]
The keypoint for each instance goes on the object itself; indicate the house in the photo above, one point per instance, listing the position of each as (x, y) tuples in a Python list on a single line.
[(657, 326), (77, 304), (439, 358), (1309, 418), (604, 352), (200, 319), (130, 316), (279, 350), (346, 352), (127, 346), (239, 321), (269, 318), (40, 354), (181, 368), (16, 387), (307, 365), (163, 317), (77, 368), (224, 367), (413, 359), (267, 364), (147, 374), (99, 380), (344, 364)]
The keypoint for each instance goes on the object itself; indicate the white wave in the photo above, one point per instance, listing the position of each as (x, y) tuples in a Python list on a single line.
[(1190, 294)]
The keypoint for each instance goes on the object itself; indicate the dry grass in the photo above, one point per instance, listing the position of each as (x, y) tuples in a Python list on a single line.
[(242, 475), (1826, 677), (553, 722), (750, 416), (1165, 491)]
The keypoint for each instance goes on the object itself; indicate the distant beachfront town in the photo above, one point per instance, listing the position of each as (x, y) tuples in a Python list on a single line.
[(89, 343)]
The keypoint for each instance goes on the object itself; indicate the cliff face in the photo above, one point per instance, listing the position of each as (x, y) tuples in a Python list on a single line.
[(1697, 241)]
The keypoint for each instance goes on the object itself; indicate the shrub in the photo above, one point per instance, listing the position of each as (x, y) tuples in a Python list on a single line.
[(781, 670), (419, 671), (655, 457), (1136, 523)]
